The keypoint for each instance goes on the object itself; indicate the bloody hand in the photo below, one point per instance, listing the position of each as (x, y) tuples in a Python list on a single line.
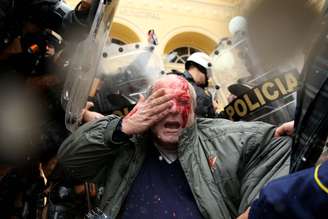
[(147, 112)]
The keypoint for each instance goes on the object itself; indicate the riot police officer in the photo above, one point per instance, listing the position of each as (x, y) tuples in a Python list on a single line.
[(196, 72)]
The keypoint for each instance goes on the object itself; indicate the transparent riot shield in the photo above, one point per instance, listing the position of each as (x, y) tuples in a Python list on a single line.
[(231, 62), (270, 98), (126, 72), (85, 63), (247, 92)]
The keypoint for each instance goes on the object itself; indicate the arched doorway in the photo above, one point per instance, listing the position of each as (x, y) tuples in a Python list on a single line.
[(123, 34), (182, 45)]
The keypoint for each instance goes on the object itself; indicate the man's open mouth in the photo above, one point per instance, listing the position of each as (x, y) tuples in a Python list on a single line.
[(172, 125)]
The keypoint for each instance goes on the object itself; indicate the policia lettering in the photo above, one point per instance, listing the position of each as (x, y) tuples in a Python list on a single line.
[(261, 95)]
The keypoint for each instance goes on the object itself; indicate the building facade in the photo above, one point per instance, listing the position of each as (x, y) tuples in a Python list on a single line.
[(182, 27)]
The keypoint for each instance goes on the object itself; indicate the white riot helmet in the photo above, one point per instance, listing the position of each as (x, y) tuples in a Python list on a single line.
[(201, 59)]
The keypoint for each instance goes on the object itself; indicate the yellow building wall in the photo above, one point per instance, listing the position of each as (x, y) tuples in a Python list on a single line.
[(191, 23)]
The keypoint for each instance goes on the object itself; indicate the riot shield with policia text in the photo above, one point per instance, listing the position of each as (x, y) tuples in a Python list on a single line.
[(85, 63), (126, 72), (248, 91), (245, 92), (271, 98)]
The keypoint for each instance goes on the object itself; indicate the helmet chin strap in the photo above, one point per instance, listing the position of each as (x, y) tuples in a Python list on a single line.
[(206, 81)]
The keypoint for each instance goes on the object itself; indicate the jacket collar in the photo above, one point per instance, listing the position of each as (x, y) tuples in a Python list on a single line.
[(188, 138)]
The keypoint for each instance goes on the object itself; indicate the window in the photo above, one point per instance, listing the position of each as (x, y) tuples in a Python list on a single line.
[(181, 54)]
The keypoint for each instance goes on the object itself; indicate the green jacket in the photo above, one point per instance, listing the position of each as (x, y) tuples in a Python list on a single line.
[(226, 163)]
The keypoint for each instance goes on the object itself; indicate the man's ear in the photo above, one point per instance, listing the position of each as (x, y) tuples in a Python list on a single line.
[(191, 119)]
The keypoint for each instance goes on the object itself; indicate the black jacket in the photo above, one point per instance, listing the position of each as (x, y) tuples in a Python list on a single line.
[(311, 119)]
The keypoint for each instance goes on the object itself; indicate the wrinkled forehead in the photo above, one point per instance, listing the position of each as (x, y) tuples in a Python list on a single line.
[(172, 83)]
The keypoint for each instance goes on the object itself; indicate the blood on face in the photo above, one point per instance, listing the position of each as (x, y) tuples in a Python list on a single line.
[(179, 87)]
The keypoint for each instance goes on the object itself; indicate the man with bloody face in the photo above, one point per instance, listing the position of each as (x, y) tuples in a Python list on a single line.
[(171, 115), (161, 162)]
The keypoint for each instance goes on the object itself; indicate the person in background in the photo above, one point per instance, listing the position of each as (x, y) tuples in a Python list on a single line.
[(196, 72)]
